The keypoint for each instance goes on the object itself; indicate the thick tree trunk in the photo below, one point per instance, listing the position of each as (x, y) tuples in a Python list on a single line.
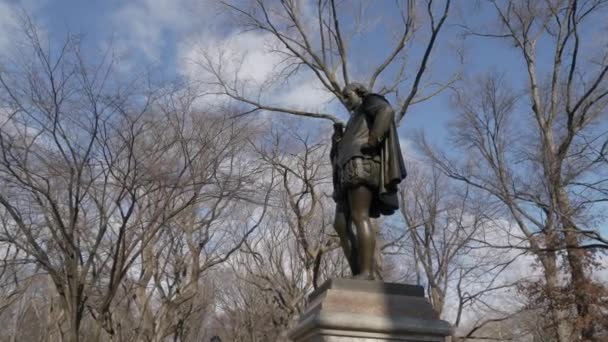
[(438, 300), (73, 322), (578, 276), (558, 316), (580, 281)]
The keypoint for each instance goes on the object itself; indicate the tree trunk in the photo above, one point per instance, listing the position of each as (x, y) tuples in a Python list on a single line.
[(72, 333), (73, 320), (437, 299), (579, 280), (558, 316)]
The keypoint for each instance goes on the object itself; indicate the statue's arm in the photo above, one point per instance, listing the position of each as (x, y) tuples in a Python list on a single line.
[(335, 139), (338, 132), (383, 117)]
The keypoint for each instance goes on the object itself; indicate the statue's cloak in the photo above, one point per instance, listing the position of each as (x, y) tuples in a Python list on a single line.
[(392, 166), (392, 172)]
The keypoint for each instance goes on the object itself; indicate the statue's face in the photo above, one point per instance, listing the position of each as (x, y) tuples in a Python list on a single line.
[(351, 100)]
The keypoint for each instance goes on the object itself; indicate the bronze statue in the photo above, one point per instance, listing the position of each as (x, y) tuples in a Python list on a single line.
[(367, 168)]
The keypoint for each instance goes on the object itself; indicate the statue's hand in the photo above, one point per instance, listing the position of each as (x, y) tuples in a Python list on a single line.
[(335, 197), (369, 149), (338, 132)]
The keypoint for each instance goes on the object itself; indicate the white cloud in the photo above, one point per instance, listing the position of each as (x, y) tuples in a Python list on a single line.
[(199, 27), (307, 94), (6, 19), (245, 53), (250, 56), (10, 14), (497, 302), (409, 151), (141, 24), (601, 274)]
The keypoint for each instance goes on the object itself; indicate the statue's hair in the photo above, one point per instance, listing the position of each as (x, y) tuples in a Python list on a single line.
[(357, 88)]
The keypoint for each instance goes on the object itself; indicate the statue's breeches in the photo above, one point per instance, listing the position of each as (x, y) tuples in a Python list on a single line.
[(360, 171)]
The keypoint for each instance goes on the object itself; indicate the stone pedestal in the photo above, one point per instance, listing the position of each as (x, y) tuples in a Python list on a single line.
[(347, 310)]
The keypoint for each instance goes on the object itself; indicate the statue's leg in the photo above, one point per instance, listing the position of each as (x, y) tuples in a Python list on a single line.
[(360, 199), (343, 227)]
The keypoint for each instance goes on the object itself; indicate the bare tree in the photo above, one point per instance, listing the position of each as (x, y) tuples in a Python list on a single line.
[(270, 269), (50, 157), (232, 203), (536, 175), (22, 295), (247, 312), (294, 249), (304, 170), (94, 172), (445, 224), (316, 37), (564, 110)]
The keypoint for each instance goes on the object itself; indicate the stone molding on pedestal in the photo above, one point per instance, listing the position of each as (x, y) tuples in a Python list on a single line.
[(347, 310)]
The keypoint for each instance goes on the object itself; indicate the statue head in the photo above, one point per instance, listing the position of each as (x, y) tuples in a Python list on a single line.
[(353, 95)]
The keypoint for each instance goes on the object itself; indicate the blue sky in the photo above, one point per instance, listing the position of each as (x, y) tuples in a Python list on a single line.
[(156, 33), (164, 34)]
